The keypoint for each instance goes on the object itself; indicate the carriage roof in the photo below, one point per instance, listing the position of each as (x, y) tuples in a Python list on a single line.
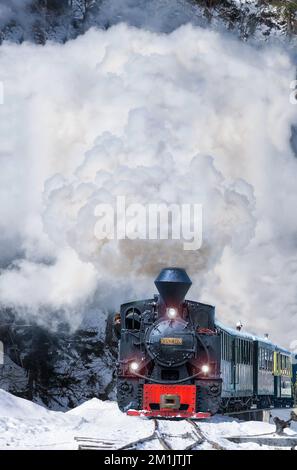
[(251, 336)]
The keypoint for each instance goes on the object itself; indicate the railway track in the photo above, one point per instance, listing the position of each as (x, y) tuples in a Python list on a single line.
[(195, 435), (204, 438)]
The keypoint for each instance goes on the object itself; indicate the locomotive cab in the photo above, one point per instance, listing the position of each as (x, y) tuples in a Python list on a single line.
[(169, 353)]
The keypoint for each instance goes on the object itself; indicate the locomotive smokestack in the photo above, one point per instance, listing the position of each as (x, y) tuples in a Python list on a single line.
[(172, 285)]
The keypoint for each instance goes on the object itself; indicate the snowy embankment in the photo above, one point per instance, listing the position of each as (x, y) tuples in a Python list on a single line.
[(25, 425)]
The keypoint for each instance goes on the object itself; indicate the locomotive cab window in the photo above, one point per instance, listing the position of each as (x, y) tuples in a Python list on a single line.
[(132, 319)]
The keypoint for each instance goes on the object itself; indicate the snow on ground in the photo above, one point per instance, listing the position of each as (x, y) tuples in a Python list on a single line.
[(25, 425)]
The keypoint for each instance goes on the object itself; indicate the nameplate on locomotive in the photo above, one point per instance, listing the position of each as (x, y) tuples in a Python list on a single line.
[(171, 341)]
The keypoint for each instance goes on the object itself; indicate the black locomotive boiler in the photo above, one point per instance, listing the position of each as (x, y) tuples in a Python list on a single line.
[(169, 353)]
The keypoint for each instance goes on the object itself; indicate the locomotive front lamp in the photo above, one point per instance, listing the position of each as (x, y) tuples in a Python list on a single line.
[(172, 313), (134, 366), (205, 369)]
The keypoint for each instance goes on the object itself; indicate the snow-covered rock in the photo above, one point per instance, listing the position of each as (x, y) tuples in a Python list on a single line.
[(59, 369)]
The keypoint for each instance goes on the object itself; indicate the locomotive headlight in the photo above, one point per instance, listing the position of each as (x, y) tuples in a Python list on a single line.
[(205, 369), (134, 366), (172, 313)]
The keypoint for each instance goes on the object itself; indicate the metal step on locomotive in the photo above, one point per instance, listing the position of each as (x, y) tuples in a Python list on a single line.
[(176, 361)]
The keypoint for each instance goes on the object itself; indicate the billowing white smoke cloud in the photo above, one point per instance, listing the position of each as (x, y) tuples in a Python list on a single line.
[(188, 117)]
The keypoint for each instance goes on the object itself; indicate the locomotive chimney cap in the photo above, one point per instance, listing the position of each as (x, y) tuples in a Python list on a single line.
[(173, 285)]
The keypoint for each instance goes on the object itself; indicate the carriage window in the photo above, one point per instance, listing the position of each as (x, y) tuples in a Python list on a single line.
[(248, 353), (285, 365), (228, 343), (278, 367), (262, 359), (243, 351), (266, 358), (226, 347), (223, 346), (270, 361), (248, 349)]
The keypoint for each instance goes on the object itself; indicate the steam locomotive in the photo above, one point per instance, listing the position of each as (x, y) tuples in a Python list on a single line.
[(175, 360)]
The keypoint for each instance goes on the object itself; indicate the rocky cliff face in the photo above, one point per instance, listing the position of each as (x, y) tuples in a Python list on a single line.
[(58, 369), (260, 19), (42, 20)]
